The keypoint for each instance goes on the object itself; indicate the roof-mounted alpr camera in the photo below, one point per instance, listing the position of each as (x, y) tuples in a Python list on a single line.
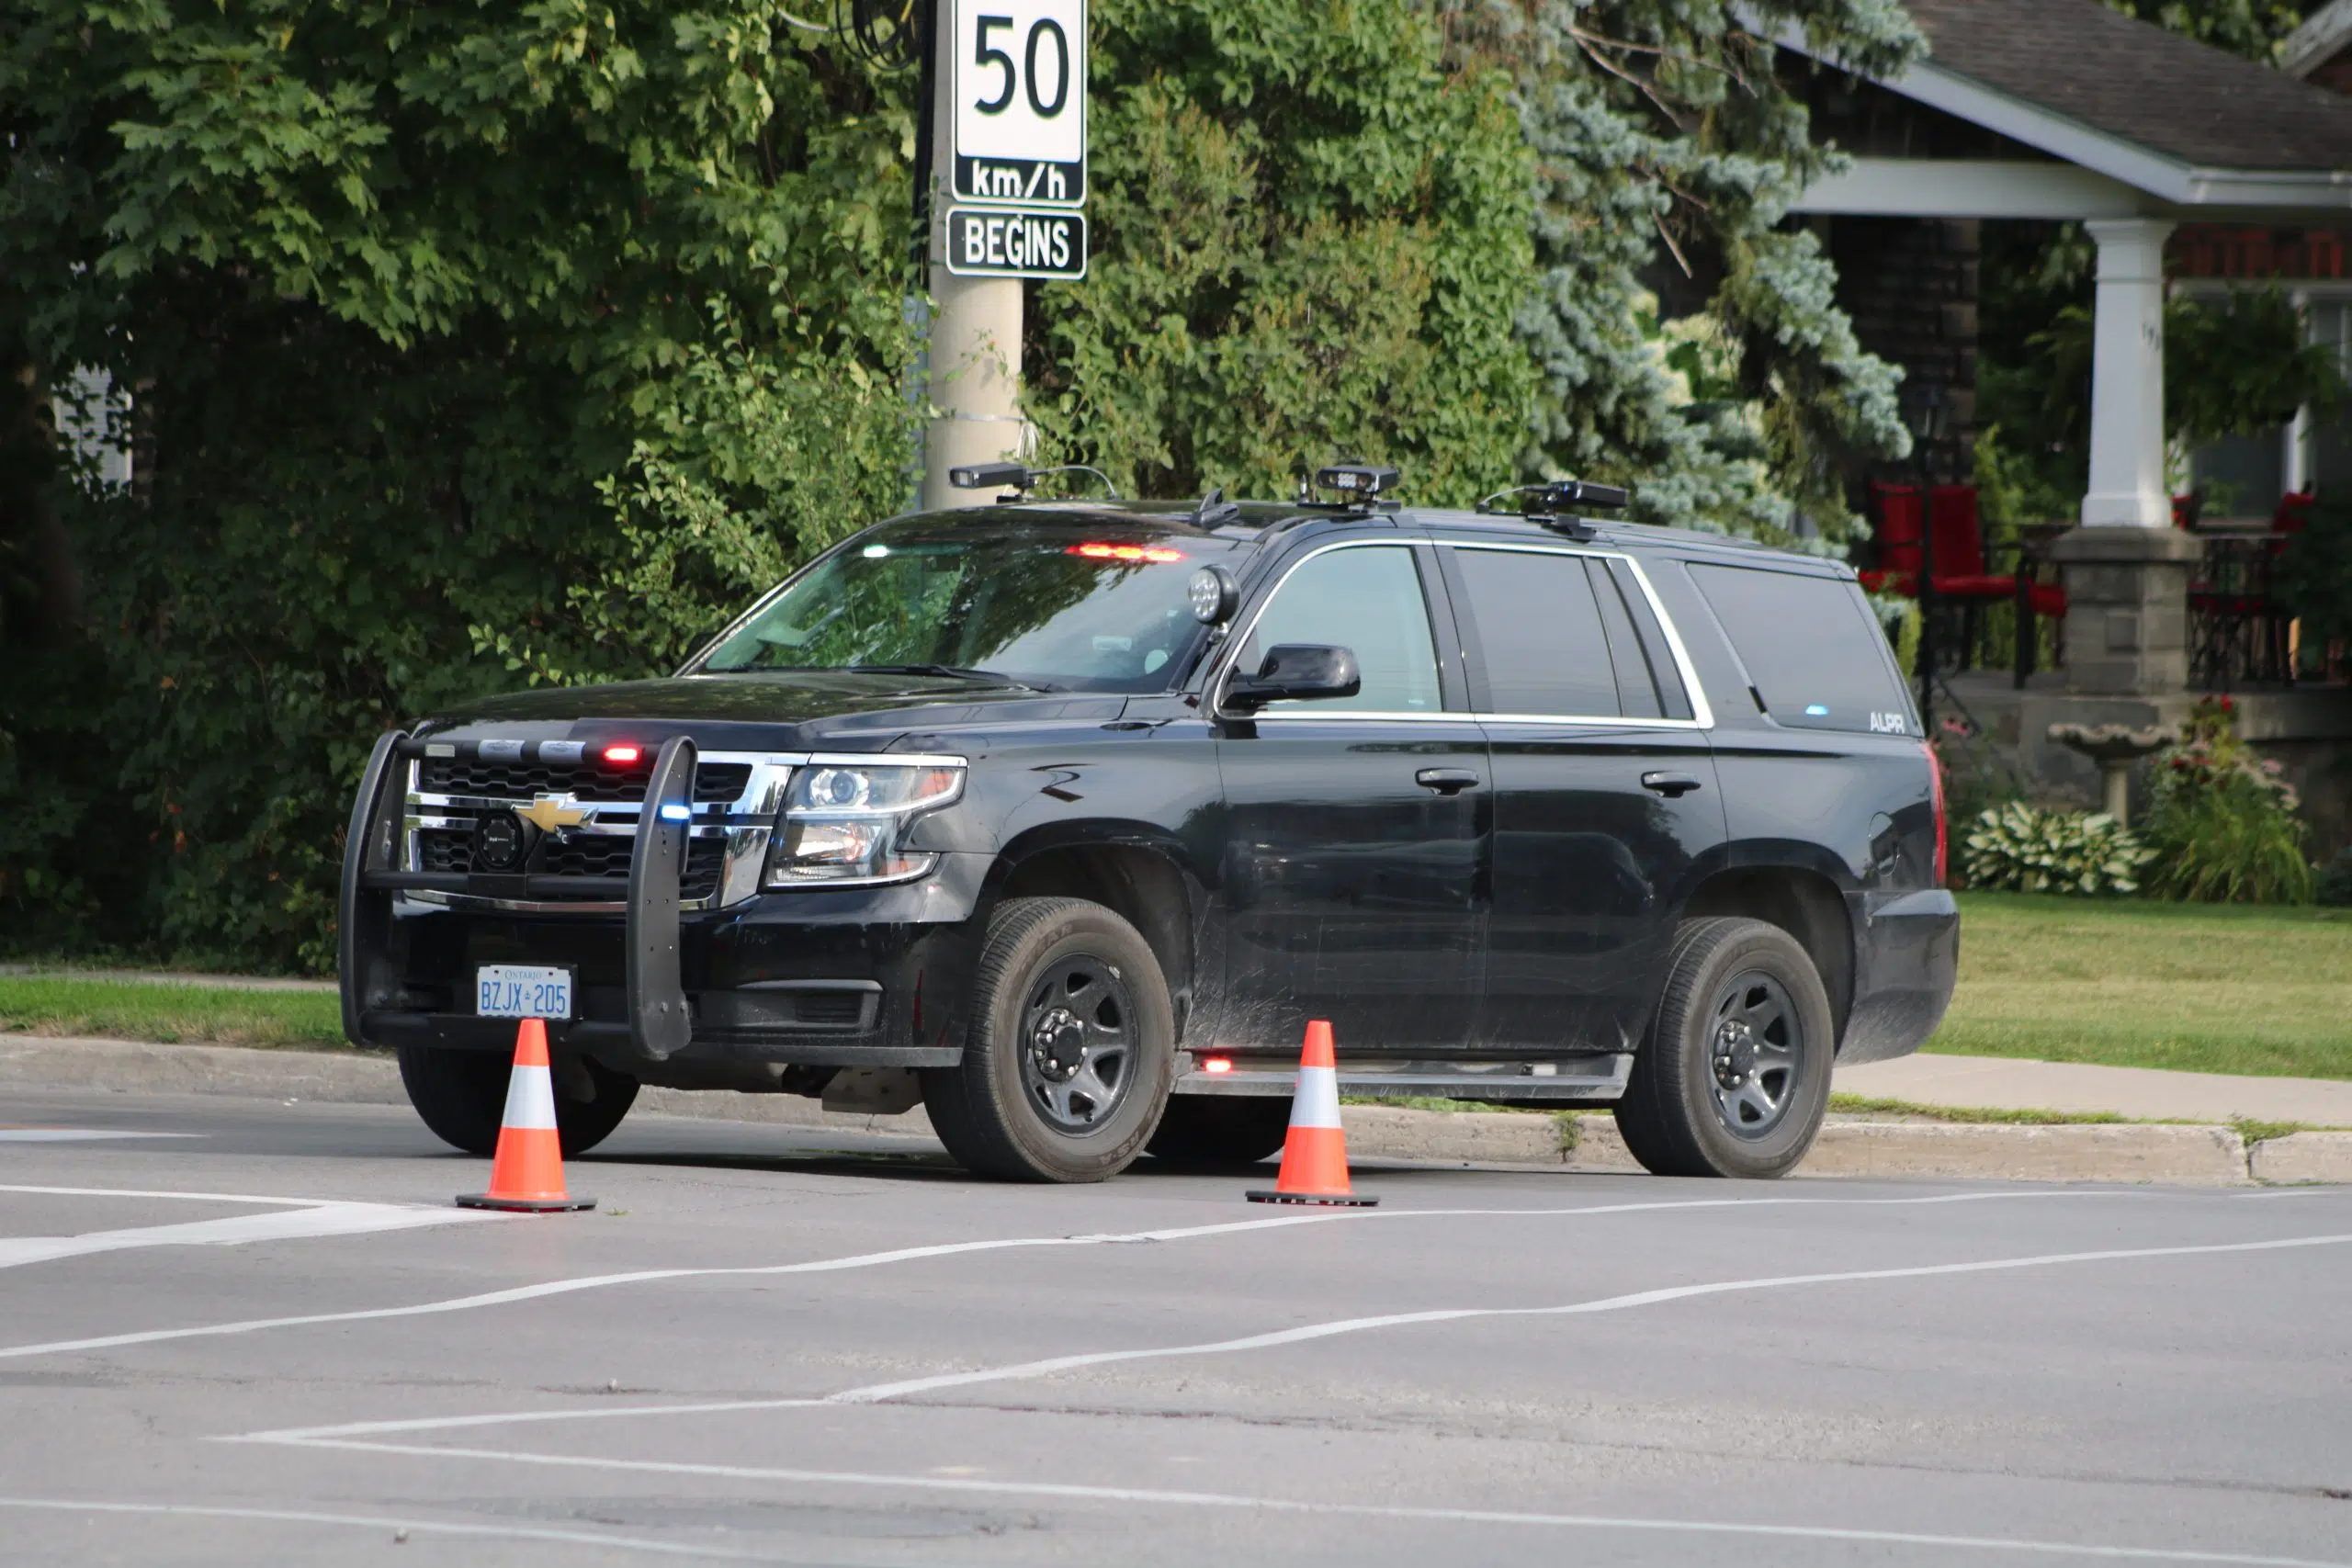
[(1549, 504), (1359, 484), (1018, 479)]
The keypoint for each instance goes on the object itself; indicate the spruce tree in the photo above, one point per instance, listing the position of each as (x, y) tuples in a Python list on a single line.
[(1670, 144)]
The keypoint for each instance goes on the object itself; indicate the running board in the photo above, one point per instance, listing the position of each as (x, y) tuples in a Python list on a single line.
[(1585, 1078)]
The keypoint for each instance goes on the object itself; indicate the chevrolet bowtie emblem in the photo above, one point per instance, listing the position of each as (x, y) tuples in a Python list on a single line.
[(548, 812)]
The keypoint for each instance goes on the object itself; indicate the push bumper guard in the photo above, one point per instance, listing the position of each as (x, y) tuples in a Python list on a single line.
[(659, 1024)]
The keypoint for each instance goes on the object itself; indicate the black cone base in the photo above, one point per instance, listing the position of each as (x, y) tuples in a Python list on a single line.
[(1315, 1200), (525, 1206)]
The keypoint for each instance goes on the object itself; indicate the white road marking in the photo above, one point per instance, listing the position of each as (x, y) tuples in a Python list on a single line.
[(77, 1134), (283, 1224), (372, 1521), (916, 1254), (1077, 1492), (173, 1196), (875, 1393), (296, 1219)]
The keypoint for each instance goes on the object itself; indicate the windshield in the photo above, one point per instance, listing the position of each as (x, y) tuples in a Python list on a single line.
[(1059, 605)]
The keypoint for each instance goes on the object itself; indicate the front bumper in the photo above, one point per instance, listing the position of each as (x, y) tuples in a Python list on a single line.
[(1906, 958), (870, 977)]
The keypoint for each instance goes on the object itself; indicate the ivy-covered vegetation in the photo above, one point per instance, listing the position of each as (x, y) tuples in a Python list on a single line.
[(458, 348), (450, 332)]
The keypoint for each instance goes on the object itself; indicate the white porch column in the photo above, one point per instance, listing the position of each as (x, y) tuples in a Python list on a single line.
[(2127, 476)]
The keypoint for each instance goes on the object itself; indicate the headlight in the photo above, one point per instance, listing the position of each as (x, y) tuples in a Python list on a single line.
[(845, 821)]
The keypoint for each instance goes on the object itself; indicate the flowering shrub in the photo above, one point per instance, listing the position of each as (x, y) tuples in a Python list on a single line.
[(2222, 820), (2019, 847)]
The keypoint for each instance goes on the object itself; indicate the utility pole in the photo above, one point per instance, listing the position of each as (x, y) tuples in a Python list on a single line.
[(1008, 126)]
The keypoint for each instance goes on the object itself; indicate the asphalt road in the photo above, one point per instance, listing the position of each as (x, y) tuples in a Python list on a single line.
[(258, 1333)]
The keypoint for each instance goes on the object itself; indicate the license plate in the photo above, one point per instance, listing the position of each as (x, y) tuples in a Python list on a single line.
[(522, 990)]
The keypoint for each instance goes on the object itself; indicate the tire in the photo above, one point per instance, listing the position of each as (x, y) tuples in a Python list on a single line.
[(1753, 1108), (1216, 1131), (1071, 1053), (462, 1095)]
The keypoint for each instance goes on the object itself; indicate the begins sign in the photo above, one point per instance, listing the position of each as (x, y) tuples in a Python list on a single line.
[(1020, 92), (995, 242)]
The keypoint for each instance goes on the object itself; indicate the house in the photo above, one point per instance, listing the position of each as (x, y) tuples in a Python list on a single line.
[(2163, 148)]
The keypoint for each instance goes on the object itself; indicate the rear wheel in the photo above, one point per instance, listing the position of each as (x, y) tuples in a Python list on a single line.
[(1733, 1078), (462, 1095), (1214, 1131), (1071, 1049)]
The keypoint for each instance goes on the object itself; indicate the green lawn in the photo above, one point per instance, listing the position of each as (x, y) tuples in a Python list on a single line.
[(2200, 987), (2196, 987), (59, 1004)]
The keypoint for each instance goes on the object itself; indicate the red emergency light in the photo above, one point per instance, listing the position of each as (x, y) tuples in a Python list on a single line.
[(623, 756), (1126, 552)]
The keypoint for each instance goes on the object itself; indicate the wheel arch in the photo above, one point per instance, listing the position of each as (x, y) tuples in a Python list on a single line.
[(1805, 904), (1138, 877)]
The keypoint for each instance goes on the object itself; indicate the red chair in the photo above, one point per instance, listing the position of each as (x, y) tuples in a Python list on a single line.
[(1961, 570)]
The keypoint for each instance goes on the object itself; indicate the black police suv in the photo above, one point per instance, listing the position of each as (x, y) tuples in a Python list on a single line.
[(1062, 819)]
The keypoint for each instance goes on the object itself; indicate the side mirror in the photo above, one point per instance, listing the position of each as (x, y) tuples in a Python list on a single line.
[(1295, 671)]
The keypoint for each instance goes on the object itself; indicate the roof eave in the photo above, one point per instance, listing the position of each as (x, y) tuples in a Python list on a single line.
[(2167, 179)]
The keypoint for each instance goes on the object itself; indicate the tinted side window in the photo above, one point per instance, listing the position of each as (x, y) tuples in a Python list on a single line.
[(1534, 619), (1649, 651), (1366, 599), (1810, 646)]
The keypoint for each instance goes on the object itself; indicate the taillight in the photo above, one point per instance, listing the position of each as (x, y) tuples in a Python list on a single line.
[(1943, 828)]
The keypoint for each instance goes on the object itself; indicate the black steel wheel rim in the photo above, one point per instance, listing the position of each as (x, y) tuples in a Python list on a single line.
[(1757, 1058), (1078, 1044)]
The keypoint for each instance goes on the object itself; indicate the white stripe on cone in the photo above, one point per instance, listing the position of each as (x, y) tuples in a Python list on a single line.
[(1315, 1102), (530, 1099)]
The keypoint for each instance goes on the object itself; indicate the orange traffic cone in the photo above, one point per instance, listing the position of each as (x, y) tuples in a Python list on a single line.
[(1314, 1151), (527, 1174)]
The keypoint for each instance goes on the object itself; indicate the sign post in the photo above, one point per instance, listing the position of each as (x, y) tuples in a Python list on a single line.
[(1010, 119)]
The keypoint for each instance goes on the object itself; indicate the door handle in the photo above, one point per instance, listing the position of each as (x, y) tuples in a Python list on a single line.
[(1446, 781), (1670, 784)]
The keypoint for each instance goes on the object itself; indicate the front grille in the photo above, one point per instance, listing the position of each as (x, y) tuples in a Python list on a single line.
[(445, 849), (585, 854), (458, 793), (838, 1007), (714, 782)]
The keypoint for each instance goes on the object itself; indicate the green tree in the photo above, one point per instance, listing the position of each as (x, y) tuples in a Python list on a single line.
[(1666, 136), (1311, 239), (412, 301)]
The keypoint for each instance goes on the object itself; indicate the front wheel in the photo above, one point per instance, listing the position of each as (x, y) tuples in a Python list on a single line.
[(1071, 1050), (1733, 1078), (461, 1096)]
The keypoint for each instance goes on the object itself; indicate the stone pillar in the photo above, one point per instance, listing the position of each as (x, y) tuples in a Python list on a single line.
[(2127, 477), (2127, 609), (2127, 568)]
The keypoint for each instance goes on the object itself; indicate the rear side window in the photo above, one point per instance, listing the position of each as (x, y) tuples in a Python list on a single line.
[(1810, 646), (1535, 619)]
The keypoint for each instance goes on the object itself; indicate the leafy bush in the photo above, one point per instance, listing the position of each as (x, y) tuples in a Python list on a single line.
[(2336, 882), (2021, 849), (2314, 575), (2222, 820)]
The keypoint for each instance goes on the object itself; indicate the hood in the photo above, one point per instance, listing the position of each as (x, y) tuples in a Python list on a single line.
[(755, 711)]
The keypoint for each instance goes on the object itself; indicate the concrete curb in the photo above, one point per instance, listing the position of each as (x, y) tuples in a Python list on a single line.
[(2205, 1157), (2303, 1157)]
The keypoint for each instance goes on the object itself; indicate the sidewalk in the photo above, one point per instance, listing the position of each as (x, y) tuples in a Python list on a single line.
[(2000, 1083)]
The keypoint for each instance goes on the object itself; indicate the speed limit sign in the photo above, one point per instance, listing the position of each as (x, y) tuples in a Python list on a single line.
[(1020, 83)]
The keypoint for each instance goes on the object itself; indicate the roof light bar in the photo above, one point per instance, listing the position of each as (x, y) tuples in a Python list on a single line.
[(1124, 552)]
